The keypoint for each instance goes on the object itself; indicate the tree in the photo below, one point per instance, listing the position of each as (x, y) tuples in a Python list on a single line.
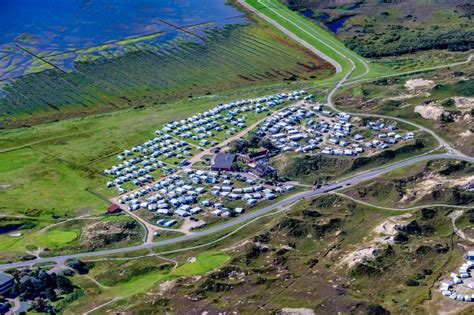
[(448, 103), (375, 309), (78, 266), (63, 284)]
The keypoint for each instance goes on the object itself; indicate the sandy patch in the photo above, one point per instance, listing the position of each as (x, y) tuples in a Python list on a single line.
[(433, 181), (389, 227), (408, 96), (464, 103), (237, 246), (384, 234), (296, 311), (466, 134), (429, 111), (166, 286), (418, 83), (361, 255)]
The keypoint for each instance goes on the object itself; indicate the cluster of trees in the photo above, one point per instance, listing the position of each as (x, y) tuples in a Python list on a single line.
[(79, 266), (41, 288), (253, 141)]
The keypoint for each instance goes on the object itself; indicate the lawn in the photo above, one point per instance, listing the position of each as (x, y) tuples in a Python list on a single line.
[(33, 239), (313, 34), (204, 262), (57, 238), (145, 282), (36, 183)]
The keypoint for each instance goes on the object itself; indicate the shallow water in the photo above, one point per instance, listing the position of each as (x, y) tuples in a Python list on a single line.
[(9, 228), (49, 28), (335, 25)]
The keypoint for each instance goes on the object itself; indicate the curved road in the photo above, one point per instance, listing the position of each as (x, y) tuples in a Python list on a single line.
[(252, 215), (279, 204), (269, 5)]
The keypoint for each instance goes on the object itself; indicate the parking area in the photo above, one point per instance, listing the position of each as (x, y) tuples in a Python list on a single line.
[(313, 129), (460, 287), (197, 194), (156, 180)]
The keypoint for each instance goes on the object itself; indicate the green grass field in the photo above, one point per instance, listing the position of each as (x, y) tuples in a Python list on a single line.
[(314, 35), (138, 285), (15, 246)]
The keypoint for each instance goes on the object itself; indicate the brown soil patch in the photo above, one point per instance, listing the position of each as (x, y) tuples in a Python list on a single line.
[(101, 234)]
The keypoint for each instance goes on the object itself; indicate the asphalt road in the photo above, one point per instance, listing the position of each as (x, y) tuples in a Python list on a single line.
[(252, 215), (279, 204), (345, 79)]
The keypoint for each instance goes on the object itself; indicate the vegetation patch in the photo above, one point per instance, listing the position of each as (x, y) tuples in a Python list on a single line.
[(228, 58), (55, 238), (375, 28), (433, 182)]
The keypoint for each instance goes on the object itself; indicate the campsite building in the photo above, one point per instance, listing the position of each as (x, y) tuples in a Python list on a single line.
[(253, 157), (223, 162), (114, 208), (6, 283)]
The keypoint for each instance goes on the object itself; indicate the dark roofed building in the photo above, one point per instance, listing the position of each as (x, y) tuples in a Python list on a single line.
[(4, 307), (223, 162), (253, 157), (6, 283), (114, 208), (262, 169)]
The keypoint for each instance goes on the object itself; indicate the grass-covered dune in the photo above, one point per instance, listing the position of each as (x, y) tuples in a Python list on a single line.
[(432, 182), (327, 254)]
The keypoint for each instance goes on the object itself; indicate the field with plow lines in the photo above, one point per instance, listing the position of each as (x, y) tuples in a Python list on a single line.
[(197, 62)]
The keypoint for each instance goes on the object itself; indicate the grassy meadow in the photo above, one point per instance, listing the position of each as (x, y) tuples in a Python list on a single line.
[(234, 57), (125, 281)]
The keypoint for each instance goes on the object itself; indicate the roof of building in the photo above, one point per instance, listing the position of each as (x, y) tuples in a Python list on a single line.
[(113, 208), (224, 160), (259, 153), (5, 277)]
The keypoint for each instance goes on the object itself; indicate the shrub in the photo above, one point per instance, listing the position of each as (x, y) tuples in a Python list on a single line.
[(376, 309), (79, 266), (412, 283), (448, 103)]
